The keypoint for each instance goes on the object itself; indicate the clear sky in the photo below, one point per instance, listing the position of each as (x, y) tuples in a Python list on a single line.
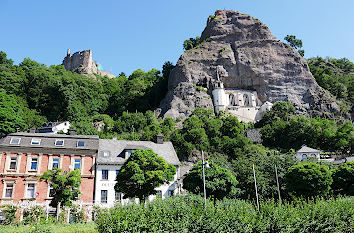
[(128, 35)]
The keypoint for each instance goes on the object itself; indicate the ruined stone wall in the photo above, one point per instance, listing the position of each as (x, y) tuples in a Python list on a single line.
[(80, 62)]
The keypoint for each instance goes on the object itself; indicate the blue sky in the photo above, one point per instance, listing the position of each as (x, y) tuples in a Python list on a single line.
[(128, 35)]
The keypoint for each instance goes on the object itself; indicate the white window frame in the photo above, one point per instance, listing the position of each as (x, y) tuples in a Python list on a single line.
[(49, 188), (5, 188), (36, 141), (13, 169), (56, 141), (15, 138), (53, 163), (34, 190), (119, 195), (77, 144), (106, 201), (76, 163), (107, 174), (106, 153), (30, 168)]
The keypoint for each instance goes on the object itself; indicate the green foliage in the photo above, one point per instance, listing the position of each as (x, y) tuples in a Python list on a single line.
[(314, 132), (34, 215), (343, 179), (191, 43), (142, 173), (11, 114), (295, 43), (10, 213), (3, 59), (187, 214), (281, 110), (334, 75), (65, 185), (308, 180), (219, 181)]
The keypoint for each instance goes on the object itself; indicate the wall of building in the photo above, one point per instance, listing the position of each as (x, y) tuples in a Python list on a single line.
[(80, 60)]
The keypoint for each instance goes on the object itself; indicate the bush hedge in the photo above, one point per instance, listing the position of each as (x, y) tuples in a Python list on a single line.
[(187, 214)]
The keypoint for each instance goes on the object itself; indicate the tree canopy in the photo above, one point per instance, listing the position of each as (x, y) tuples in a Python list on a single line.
[(219, 181), (65, 186), (143, 171), (308, 180), (295, 43)]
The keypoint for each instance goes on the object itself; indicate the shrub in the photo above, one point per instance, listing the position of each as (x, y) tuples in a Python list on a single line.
[(187, 214), (343, 179), (308, 180), (10, 213)]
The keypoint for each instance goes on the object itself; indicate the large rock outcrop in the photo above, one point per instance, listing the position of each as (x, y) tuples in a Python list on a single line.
[(249, 57)]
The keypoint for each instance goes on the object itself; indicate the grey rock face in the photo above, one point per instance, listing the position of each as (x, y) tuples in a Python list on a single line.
[(248, 57)]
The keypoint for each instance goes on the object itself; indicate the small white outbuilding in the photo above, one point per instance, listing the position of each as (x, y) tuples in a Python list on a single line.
[(307, 152)]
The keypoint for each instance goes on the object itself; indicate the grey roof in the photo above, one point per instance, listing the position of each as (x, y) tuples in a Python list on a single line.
[(48, 141), (115, 147), (306, 149)]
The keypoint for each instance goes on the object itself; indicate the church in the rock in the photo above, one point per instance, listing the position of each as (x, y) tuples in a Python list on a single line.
[(244, 104)]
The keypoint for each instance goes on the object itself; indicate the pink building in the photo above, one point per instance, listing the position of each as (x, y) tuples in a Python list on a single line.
[(26, 156)]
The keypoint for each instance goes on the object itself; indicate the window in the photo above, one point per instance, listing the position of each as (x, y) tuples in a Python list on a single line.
[(77, 164), (104, 174), (9, 190), (36, 141), (51, 192), (30, 190), (118, 196), (171, 193), (125, 153), (59, 142), (117, 171), (55, 163), (304, 156), (34, 163), (15, 141), (104, 196), (159, 194), (105, 153), (80, 144), (13, 163)]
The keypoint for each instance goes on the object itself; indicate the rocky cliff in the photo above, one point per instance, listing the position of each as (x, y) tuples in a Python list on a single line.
[(248, 57)]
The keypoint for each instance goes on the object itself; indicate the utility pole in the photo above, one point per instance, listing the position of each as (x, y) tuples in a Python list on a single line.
[(276, 176), (255, 185), (203, 165)]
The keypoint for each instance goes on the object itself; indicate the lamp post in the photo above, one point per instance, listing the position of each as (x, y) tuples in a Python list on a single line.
[(203, 165)]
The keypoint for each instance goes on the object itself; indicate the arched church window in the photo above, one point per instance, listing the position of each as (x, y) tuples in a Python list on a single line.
[(232, 100), (246, 100)]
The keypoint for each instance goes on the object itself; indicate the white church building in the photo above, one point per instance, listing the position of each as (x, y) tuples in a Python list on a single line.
[(244, 104), (112, 155)]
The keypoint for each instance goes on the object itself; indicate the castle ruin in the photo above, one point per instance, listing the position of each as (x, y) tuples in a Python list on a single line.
[(82, 63)]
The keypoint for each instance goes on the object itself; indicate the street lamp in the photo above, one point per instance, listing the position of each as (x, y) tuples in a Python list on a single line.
[(204, 164)]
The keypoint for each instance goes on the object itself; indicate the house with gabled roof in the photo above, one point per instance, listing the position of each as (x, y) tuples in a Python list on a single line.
[(307, 152), (112, 155)]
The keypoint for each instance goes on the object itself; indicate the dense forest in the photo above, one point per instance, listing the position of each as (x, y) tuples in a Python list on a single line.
[(32, 93)]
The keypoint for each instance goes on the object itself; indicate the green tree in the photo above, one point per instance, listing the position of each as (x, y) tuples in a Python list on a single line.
[(343, 179), (191, 43), (281, 110), (219, 181), (65, 186), (295, 43), (308, 180), (4, 60), (11, 114), (166, 69), (143, 171)]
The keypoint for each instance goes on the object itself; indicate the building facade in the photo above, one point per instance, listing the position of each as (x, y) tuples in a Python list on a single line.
[(26, 156), (113, 154), (307, 152)]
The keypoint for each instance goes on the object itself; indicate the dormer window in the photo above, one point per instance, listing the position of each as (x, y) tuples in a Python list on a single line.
[(80, 144), (35, 141), (15, 141), (105, 153), (59, 142)]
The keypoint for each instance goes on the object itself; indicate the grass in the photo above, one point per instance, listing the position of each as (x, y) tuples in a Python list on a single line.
[(52, 228)]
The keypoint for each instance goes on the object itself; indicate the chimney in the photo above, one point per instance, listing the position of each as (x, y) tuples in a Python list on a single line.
[(159, 138), (32, 130), (72, 132)]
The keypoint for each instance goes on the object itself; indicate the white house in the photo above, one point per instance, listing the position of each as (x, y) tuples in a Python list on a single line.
[(54, 127), (112, 155), (307, 152)]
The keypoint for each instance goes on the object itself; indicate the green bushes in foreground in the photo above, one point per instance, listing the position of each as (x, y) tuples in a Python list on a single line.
[(187, 214)]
